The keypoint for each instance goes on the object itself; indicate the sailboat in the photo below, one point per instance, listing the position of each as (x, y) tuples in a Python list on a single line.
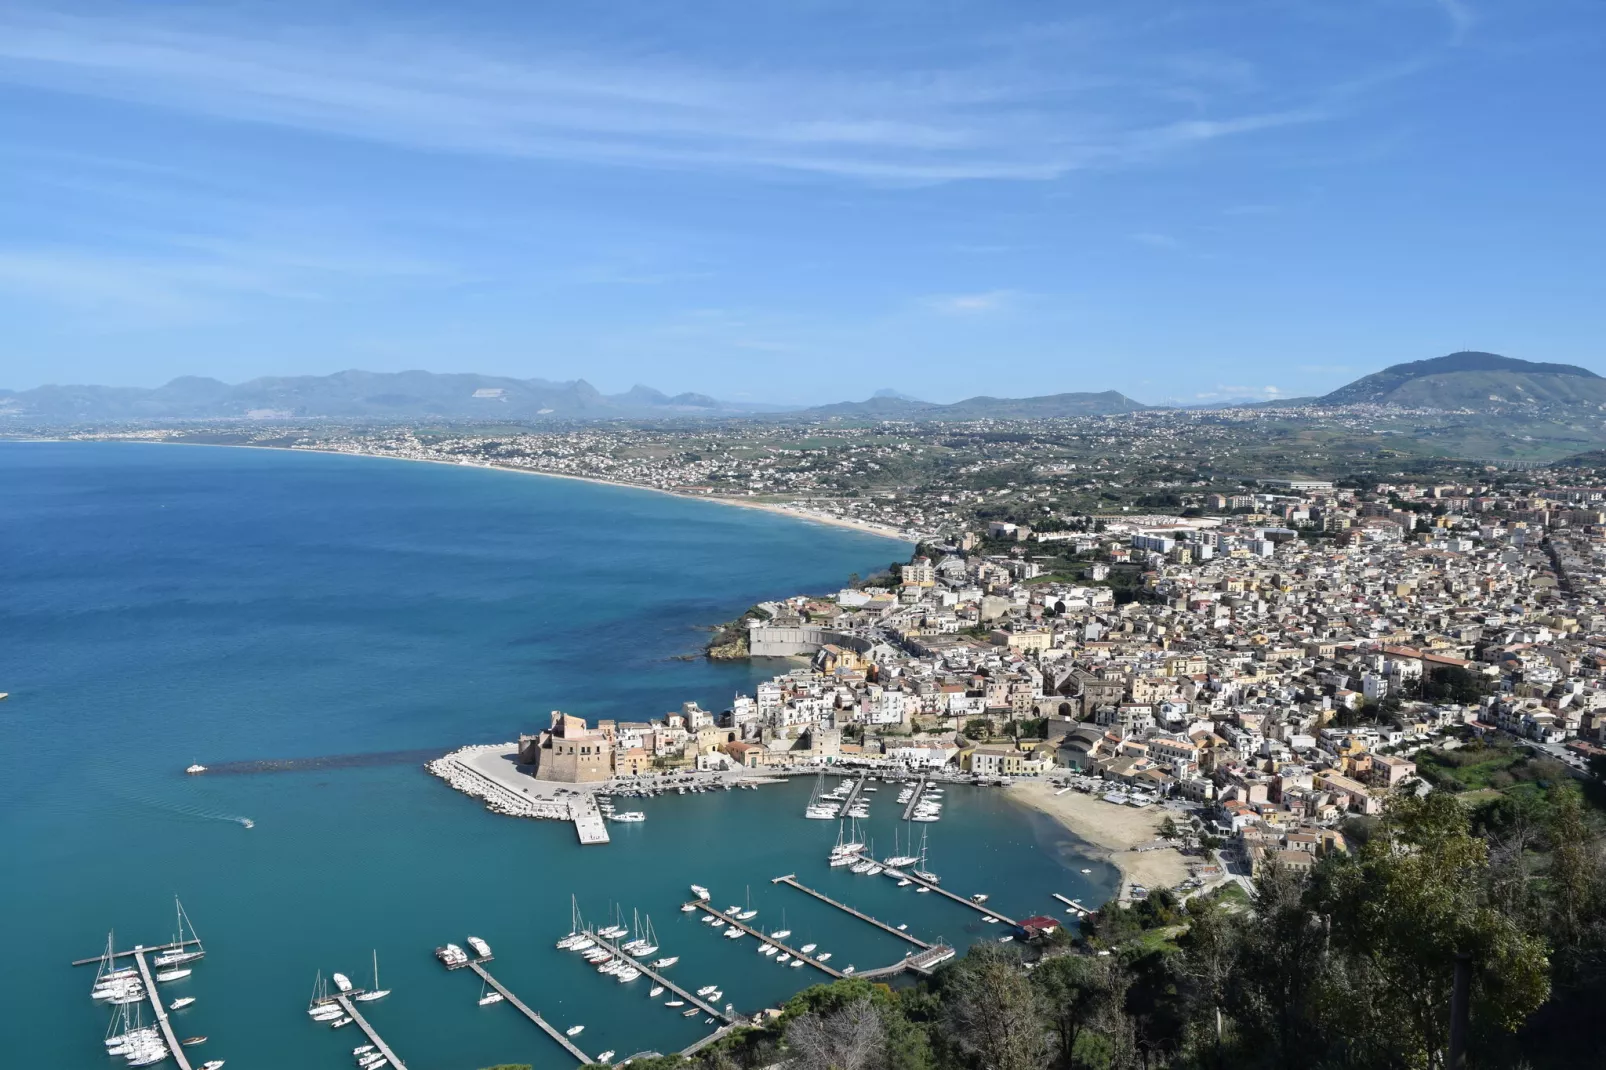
[(900, 859), (181, 952), (375, 992), (920, 869), (749, 913), (488, 998)]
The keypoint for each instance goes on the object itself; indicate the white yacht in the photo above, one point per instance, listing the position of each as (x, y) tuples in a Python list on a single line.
[(783, 957), (808, 949), (481, 948), (375, 992), (767, 949), (180, 1004), (341, 981), (665, 962), (733, 933), (824, 956), (707, 989), (175, 975), (781, 934), (490, 998), (341, 1022), (796, 963), (699, 891), (574, 1030), (196, 768)]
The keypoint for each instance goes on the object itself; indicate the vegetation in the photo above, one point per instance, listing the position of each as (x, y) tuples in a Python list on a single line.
[(1349, 966)]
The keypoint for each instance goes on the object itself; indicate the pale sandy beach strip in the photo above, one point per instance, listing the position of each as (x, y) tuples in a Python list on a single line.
[(864, 527), (1112, 830)]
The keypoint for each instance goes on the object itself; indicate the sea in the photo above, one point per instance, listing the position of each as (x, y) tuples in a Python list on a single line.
[(315, 627)]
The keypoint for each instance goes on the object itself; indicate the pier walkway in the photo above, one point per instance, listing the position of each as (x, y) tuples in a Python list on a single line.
[(1072, 906), (155, 997), (914, 800), (690, 997), (546, 1026), (853, 796), (767, 939), (921, 962), (719, 1034), (588, 823), (877, 922), (982, 908), (373, 1034), (154, 949)]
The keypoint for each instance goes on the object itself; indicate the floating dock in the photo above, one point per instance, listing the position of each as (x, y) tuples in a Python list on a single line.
[(546, 1026), (853, 796), (877, 922), (373, 1035), (1072, 906), (174, 1048), (914, 800), (690, 997), (767, 939), (982, 908), (154, 949), (921, 962)]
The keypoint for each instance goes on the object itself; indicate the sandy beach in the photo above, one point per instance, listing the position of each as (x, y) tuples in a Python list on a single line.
[(1113, 830), (881, 530)]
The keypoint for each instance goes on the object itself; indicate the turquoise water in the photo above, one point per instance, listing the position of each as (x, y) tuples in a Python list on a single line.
[(163, 605)]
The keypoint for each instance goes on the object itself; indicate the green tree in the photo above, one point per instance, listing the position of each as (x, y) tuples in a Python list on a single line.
[(1071, 989), (978, 728), (992, 1011)]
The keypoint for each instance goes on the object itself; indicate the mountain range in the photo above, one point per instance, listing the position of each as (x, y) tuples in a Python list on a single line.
[(1484, 382)]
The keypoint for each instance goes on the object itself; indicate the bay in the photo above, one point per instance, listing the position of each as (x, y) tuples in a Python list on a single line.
[(161, 605)]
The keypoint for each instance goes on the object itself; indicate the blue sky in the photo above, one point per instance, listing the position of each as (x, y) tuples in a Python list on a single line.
[(801, 201)]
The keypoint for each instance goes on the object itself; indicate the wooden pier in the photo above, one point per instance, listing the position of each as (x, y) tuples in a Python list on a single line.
[(914, 800), (983, 908), (690, 997), (878, 923), (173, 1046), (853, 796), (546, 1026), (767, 939), (374, 1038), (698, 1045)]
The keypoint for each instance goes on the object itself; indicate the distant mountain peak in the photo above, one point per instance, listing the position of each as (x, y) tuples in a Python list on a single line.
[(1473, 380)]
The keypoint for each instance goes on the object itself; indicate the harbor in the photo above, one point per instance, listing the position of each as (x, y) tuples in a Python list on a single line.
[(765, 938), (174, 1048), (790, 880), (350, 1007), (540, 1022)]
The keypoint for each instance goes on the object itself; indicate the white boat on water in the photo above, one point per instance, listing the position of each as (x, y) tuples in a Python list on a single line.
[(341, 981), (808, 949), (375, 992), (783, 957), (488, 997), (687, 908), (605, 1057), (359, 1052), (699, 891), (824, 956), (707, 989), (767, 949), (781, 934), (574, 1030), (630, 815), (657, 990), (733, 933), (666, 962), (180, 1004), (796, 963), (194, 769), (173, 975), (341, 1022), (481, 948)]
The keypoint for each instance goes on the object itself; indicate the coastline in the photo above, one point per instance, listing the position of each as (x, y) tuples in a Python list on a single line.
[(1112, 832), (862, 526)]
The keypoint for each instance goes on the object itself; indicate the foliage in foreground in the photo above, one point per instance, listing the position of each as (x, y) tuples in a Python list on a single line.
[(1348, 967)]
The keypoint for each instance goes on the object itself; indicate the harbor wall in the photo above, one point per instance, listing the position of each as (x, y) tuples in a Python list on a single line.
[(775, 641)]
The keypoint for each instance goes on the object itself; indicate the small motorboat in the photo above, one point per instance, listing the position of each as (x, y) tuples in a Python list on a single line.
[(808, 948), (574, 1030), (676, 1003), (364, 1050), (824, 956), (605, 1057), (706, 989), (341, 981), (781, 934), (190, 1042), (180, 1004), (796, 963), (657, 990), (663, 963), (341, 1022), (691, 1013), (214, 1064)]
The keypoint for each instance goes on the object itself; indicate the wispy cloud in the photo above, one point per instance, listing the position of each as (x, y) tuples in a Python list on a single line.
[(972, 304), (1234, 393), (1461, 16), (1156, 240), (987, 117)]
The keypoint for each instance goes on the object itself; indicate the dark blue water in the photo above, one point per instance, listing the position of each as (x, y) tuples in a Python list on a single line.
[(162, 605)]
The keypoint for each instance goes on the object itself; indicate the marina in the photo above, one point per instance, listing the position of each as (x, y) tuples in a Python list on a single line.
[(981, 908), (372, 1034), (914, 799), (853, 796), (546, 1027), (174, 1048), (765, 938), (1073, 906), (791, 880), (690, 997)]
